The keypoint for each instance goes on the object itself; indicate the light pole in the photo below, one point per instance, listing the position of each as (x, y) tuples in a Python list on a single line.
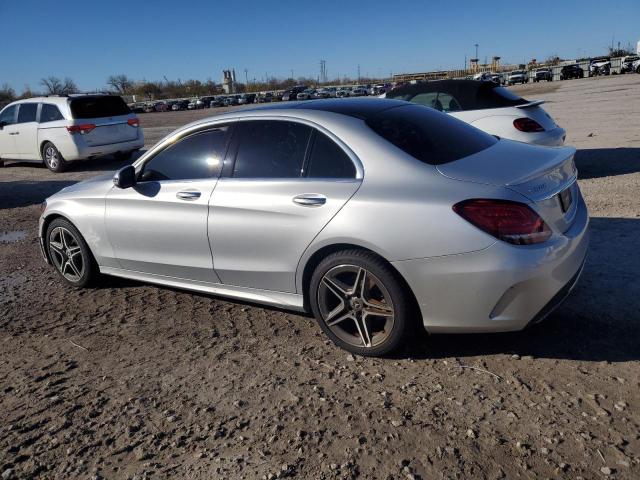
[(476, 50)]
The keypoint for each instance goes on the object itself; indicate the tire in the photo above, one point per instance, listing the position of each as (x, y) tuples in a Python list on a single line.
[(70, 254), (52, 158), (371, 324), (124, 155)]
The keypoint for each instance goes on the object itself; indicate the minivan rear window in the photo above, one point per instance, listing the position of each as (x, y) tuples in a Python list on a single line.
[(98, 107), (429, 136)]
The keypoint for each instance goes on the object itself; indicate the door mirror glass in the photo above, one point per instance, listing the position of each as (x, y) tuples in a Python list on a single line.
[(125, 177)]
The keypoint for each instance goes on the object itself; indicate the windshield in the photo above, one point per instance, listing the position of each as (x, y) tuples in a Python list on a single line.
[(429, 136), (98, 107)]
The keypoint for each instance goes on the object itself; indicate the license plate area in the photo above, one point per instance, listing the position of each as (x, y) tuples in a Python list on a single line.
[(565, 198)]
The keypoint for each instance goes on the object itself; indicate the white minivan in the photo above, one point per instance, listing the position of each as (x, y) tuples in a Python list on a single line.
[(60, 129)]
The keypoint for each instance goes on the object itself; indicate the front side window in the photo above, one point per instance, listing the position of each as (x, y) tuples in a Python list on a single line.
[(270, 149), (50, 113), (448, 103), (427, 135), (8, 115), (27, 112), (198, 156), (328, 160)]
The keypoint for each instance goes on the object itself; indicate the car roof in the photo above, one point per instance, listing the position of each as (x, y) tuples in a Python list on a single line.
[(361, 108), (59, 99)]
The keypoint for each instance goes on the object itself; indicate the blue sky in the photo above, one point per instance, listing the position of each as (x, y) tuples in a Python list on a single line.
[(90, 40)]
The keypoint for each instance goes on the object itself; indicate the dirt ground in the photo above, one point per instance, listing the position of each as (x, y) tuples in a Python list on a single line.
[(134, 381)]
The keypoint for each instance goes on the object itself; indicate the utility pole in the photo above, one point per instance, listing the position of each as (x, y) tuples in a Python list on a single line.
[(358, 73), (246, 76), (476, 50), (292, 73)]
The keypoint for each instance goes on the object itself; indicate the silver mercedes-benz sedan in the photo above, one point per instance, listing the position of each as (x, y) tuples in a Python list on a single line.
[(375, 215)]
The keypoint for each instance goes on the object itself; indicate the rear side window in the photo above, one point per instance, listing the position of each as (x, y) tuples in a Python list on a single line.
[(27, 112), (98, 107), (50, 113), (270, 149), (8, 115), (328, 160), (197, 156), (429, 136)]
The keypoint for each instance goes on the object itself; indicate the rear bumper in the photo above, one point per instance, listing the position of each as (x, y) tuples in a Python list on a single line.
[(550, 138), (79, 151), (501, 288)]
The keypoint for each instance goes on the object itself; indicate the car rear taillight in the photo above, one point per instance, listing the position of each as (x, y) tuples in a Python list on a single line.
[(134, 122), (510, 221), (82, 129), (527, 125)]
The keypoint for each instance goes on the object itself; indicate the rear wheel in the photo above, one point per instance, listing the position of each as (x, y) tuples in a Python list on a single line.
[(52, 158), (359, 303), (124, 155), (70, 254)]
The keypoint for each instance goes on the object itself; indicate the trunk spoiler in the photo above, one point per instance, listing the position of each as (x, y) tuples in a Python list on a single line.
[(535, 103)]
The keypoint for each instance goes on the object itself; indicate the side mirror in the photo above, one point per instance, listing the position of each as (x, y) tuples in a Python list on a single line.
[(125, 177)]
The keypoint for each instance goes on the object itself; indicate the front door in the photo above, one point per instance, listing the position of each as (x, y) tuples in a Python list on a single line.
[(8, 130), (159, 226), (27, 137), (288, 181)]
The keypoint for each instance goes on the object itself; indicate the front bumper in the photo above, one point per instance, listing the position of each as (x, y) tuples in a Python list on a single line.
[(501, 288)]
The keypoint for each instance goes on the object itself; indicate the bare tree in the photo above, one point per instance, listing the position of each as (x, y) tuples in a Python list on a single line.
[(7, 94), (55, 86), (120, 83)]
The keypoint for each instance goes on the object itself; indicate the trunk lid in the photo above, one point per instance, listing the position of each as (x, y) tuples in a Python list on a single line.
[(545, 176), (534, 111), (109, 130)]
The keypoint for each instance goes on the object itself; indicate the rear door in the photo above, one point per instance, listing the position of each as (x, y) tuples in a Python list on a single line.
[(109, 114), (27, 132), (159, 226), (285, 183)]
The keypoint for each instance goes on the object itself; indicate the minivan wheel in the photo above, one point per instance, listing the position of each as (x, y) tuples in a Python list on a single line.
[(70, 254), (124, 155), (360, 303), (53, 159)]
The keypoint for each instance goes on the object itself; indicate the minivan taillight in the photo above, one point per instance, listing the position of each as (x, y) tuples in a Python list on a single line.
[(82, 129), (527, 125), (134, 122), (512, 222)]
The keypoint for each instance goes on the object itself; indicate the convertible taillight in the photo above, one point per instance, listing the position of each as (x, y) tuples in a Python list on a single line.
[(512, 222), (134, 122), (82, 129), (527, 125)]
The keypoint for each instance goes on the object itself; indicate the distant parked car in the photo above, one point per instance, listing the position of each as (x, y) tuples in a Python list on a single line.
[(137, 107), (635, 66), (486, 106), (180, 105), (627, 63), (343, 92), (247, 98), (487, 77), (359, 91), (571, 71), (231, 100), (265, 98), (322, 93), (57, 130), (306, 94), (518, 76), (292, 93), (600, 67), (543, 74)]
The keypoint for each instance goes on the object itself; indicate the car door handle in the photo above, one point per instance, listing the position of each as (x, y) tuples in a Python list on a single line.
[(188, 195), (14, 133), (310, 199)]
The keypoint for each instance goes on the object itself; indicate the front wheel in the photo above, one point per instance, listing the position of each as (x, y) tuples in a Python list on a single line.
[(360, 303), (70, 254), (52, 158)]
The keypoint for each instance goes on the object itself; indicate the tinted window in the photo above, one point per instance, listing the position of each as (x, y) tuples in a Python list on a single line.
[(98, 107), (50, 113), (194, 157), (27, 112), (428, 99), (270, 149), (8, 115), (429, 136), (328, 160), (448, 103)]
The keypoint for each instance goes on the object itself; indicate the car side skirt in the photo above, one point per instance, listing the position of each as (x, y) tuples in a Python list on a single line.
[(290, 301)]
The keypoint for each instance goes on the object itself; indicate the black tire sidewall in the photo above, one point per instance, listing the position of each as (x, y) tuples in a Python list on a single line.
[(391, 282), (61, 162), (90, 267)]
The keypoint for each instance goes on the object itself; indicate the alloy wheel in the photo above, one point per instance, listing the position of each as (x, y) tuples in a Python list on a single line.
[(66, 254), (51, 157), (356, 306)]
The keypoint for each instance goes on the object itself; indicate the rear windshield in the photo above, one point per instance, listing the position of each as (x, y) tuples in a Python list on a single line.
[(98, 107), (429, 136)]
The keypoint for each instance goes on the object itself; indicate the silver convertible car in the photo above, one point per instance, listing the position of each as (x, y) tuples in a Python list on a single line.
[(375, 215)]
